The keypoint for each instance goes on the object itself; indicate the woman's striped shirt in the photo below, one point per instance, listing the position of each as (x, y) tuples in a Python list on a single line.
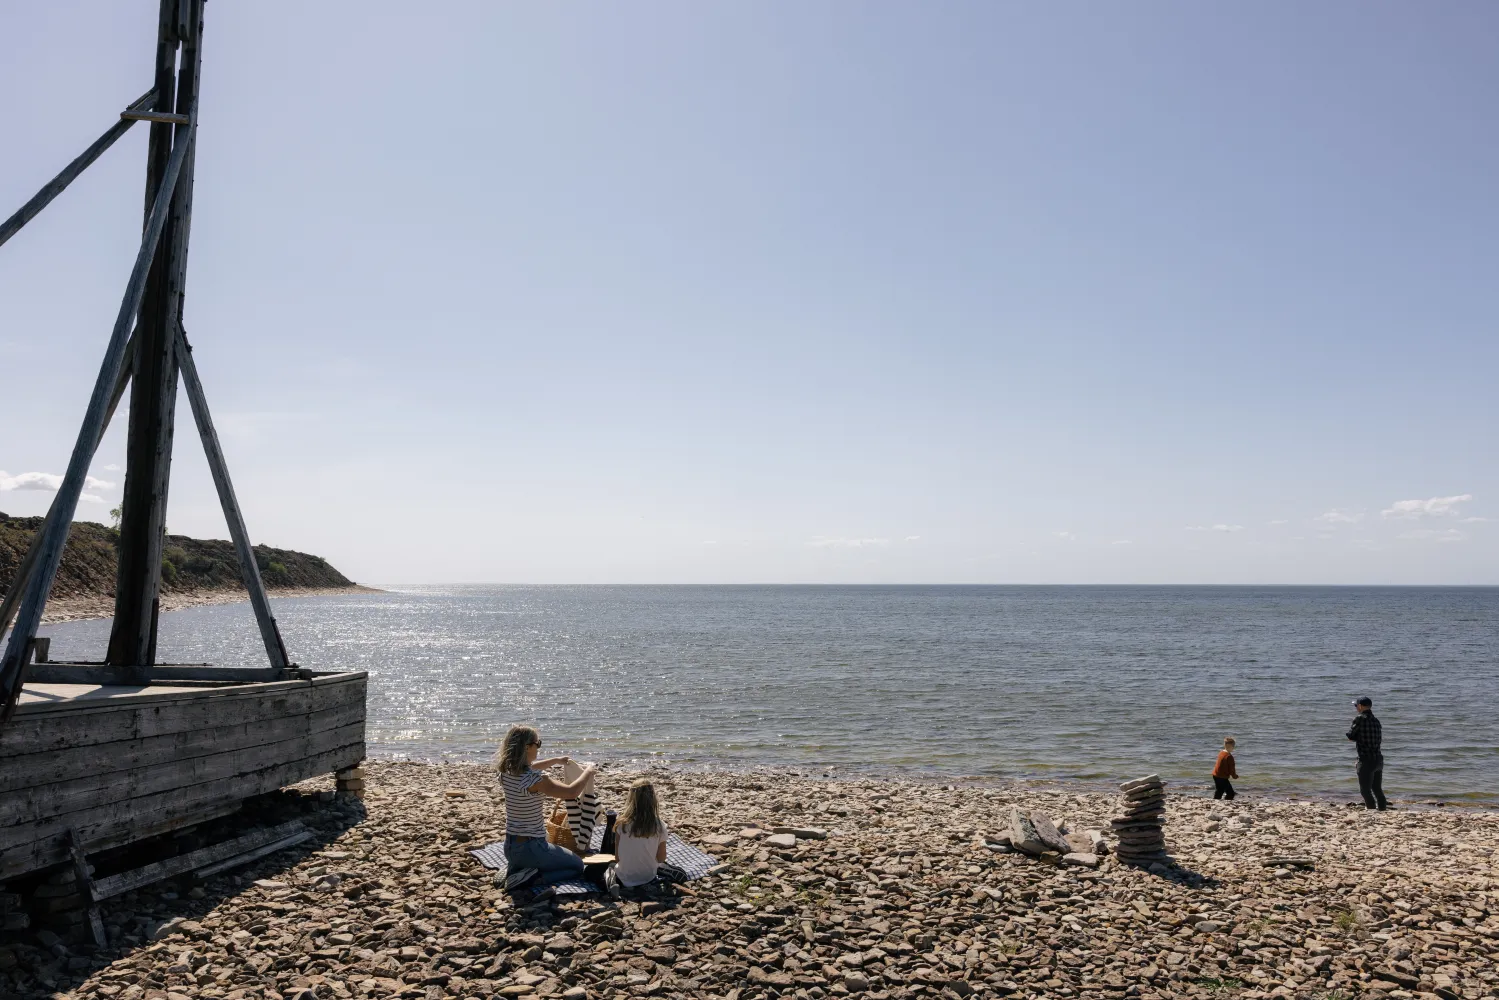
[(522, 806)]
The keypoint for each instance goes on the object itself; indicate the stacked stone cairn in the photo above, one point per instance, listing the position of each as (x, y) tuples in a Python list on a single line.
[(1141, 840)]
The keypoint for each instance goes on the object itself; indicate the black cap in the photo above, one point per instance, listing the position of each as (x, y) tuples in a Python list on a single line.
[(1364, 702)]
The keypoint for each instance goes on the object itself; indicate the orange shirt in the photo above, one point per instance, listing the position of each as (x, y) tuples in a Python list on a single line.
[(1225, 768)]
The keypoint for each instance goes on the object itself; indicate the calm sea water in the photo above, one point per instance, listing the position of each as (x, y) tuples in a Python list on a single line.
[(1096, 683)]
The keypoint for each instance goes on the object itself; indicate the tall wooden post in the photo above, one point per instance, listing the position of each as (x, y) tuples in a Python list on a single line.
[(153, 396)]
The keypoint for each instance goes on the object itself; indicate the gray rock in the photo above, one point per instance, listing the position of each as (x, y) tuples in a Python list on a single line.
[(1049, 834), (1023, 835)]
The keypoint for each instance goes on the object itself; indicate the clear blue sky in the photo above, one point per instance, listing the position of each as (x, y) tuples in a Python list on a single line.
[(684, 292)]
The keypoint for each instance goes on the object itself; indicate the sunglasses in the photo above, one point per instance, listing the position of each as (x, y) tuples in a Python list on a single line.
[(535, 743)]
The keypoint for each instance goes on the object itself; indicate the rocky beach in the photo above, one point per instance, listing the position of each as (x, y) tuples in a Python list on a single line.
[(829, 886)]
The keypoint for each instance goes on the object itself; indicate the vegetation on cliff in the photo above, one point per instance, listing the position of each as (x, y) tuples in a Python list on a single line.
[(188, 564)]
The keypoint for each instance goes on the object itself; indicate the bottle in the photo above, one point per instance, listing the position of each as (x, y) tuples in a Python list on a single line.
[(611, 839)]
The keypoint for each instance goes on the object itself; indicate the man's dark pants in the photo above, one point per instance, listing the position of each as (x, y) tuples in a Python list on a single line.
[(1371, 781)]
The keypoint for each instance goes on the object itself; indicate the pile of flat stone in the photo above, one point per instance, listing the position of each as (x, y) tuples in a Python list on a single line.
[(1141, 839), (1035, 834)]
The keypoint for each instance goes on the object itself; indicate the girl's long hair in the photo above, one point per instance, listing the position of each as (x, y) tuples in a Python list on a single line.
[(512, 754), (642, 813)]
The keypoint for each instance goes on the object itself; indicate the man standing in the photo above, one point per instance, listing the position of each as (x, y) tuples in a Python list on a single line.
[(1366, 737)]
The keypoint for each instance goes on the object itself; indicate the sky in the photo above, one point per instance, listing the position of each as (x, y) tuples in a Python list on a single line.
[(672, 292)]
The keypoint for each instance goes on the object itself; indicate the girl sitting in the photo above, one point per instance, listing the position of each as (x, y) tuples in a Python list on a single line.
[(641, 846)]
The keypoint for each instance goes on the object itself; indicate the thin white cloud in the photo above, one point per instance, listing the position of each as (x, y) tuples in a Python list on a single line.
[(1340, 516), (1215, 527), (1433, 507), (1473, 520), (1066, 536), (47, 482), (1434, 535), (913, 538), (821, 542), (1279, 520)]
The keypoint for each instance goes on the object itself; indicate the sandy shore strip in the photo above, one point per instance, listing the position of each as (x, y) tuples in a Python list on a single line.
[(890, 891), (72, 609)]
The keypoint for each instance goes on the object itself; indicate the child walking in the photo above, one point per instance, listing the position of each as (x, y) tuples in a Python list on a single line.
[(641, 848), (1225, 769)]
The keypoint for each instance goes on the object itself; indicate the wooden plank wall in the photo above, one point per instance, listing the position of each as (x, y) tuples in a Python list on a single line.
[(122, 769)]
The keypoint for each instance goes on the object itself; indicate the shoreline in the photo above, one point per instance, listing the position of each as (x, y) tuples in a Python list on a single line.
[(93, 607), (1189, 787), (891, 891)]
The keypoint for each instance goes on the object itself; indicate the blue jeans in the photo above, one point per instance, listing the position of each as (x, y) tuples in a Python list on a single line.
[(556, 864)]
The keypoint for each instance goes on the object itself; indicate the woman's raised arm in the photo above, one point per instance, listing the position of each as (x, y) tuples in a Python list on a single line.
[(564, 790)]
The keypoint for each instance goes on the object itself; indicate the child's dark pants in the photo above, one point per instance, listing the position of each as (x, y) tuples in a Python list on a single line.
[(1222, 789)]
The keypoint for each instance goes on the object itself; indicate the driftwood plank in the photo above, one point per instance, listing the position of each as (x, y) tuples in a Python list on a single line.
[(114, 885), (118, 823), (253, 855)]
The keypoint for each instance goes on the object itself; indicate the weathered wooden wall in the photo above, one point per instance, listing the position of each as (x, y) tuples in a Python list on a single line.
[(128, 767)]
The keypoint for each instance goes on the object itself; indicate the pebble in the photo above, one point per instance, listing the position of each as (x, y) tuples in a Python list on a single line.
[(904, 897)]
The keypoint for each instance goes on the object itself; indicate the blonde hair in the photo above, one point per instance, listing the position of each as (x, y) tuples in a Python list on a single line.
[(1228, 741), (512, 753), (642, 813)]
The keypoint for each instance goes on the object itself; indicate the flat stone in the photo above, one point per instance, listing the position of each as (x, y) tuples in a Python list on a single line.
[(1047, 831), (781, 840), (803, 832), (1023, 835), (1078, 859)]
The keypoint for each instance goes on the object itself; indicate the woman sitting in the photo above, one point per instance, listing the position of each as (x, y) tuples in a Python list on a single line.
[(530, 859), (641, 846)]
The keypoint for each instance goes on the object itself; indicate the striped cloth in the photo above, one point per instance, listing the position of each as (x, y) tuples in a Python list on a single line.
[(522, 806)]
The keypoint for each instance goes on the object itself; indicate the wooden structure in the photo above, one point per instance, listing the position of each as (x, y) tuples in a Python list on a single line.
[(96, 755)]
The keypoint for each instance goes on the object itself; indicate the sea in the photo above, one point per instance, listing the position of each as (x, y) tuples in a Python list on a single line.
[(1092, 684)]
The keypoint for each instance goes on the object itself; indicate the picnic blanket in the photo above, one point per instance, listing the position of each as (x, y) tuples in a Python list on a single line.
[(678, 852)]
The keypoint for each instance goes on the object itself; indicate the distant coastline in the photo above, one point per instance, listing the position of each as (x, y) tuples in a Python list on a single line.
[(194, 571), (94, 606)]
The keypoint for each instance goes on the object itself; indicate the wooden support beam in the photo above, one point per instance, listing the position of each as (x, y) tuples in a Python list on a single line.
[(85, 883), (164, 117), (270, 635), (28, 561), (59, 184), (55, 529), (153, 391), (291, 840), (226, 853)]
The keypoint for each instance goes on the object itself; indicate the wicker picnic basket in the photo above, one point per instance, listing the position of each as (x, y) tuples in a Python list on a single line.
[(558, 832)]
